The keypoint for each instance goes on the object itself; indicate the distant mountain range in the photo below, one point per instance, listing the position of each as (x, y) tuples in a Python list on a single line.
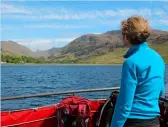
[(13, 48), (90, 46)]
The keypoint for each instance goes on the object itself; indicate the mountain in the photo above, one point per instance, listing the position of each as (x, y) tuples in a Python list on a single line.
[(93, 44), (158, 37), (46, 53), (12, 48), (107, 48)]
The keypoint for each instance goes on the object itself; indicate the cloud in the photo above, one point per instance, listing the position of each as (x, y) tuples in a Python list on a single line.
[(11, 9), (60, 40), (59, 13), (54, 26), (110, 17), (97, 33), (44, 44), (16, 0), (73, 15), (129, 12), (162, 13), (165, 22), (111, 22), (43, 26)]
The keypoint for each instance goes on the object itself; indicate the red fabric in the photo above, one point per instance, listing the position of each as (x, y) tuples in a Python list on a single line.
[(10, 118), (16, 117)]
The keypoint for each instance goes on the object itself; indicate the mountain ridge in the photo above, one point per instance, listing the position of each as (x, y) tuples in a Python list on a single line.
[(92, 47), (13, 48)]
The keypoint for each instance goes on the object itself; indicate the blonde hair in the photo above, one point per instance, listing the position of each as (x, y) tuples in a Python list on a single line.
[(136, 29)]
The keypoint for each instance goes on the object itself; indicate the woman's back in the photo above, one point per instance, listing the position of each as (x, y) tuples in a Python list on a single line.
[(149, 70)]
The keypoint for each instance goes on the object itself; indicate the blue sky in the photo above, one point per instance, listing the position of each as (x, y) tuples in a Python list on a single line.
[(42, 25)]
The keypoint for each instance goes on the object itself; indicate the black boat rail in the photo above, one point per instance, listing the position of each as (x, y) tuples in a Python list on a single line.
[(73, 92)]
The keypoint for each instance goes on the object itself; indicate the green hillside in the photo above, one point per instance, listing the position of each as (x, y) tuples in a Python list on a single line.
[(162, 49), (116, 56)]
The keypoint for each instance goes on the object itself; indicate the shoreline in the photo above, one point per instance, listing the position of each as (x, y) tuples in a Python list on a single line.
[(60, 64), (29, 64)]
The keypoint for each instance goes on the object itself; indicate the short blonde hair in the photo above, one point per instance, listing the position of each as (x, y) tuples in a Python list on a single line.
[(136, 29)]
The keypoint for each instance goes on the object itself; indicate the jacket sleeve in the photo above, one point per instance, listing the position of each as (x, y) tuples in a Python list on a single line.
[(126, 95), (163, 90)]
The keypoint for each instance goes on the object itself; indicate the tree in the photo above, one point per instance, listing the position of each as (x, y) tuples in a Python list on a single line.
[(7, 61)]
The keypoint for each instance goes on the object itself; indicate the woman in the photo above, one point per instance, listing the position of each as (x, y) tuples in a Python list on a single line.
[(142, 80)]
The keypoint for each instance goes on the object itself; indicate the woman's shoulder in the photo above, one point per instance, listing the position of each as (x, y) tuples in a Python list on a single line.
[(130, 62), (144, 58)]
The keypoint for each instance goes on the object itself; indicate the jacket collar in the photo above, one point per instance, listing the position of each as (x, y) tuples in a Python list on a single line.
[(134, 49)]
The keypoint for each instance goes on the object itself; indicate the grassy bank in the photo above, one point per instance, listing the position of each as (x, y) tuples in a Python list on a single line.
[(116, 56)]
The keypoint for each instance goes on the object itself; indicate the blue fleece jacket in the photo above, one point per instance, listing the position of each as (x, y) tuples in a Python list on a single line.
[(142, 84)]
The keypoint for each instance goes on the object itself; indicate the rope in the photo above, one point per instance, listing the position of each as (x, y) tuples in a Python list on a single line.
[(36, 121), (13, 125), (101, 112)]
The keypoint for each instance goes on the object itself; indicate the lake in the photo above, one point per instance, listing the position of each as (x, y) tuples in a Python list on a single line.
[(17, 80)]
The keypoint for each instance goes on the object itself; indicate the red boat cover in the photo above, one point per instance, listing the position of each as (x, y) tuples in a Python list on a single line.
[(40, 117)]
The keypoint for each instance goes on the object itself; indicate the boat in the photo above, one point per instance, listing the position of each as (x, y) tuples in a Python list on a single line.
[(89, 113)]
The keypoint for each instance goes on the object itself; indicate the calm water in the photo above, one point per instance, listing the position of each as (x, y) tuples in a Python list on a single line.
[(24, 80)]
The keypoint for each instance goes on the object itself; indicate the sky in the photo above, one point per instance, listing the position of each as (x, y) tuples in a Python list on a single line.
[(41, 25)]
